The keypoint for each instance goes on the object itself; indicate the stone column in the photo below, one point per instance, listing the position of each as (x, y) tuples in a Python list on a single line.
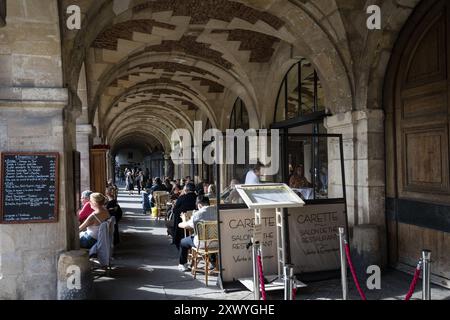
[(363, 139), (109, 166), (35, 120), (37, 114), (84, 136), (166, 164)]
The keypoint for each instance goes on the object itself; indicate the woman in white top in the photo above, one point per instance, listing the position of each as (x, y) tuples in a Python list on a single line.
[(89, 237)]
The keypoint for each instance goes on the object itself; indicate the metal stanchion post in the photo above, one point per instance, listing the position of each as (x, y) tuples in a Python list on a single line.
[(255, 252), (343, 263), (288, 275), (426, 288)]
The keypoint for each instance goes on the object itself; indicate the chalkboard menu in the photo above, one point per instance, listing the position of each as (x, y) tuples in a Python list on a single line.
[(29, 187)]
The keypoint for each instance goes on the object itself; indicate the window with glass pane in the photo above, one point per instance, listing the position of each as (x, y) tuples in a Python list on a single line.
[(300, 92), (314, 166), (239, 119)]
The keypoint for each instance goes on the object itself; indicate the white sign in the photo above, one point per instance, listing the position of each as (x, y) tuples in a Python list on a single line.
[(236, 231), (314, 241)]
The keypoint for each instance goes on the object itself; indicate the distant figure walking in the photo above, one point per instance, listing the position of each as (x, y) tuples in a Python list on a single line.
[(130, 182), (139, 181)]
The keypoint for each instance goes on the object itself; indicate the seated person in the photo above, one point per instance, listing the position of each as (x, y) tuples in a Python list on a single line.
[(186, 202), (114, 187), (204, 213), (114, 210), (298, 179), (200, 187), (176, 192), (86, 209), (157, 186), (168, 185), (92, 224), (211, 191), (146, 201), (232, 195)]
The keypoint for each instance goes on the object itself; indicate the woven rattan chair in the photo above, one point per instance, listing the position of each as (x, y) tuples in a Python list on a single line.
[(161, 199), (208, 237)]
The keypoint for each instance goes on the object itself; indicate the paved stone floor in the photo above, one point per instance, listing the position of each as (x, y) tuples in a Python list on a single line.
[(145, 267)]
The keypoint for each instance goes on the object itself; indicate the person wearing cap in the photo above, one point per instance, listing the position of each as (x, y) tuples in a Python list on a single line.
[(86, 209), (184, 203)]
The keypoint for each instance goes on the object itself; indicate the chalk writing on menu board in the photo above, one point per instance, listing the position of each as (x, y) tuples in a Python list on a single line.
[(29, 187)]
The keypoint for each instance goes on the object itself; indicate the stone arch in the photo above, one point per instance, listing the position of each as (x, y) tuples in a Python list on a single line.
[(138, 108)]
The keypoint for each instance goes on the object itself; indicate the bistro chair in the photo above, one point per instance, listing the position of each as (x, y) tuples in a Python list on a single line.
[(161, 199), (208, 238), (213, 202), (188, 232)]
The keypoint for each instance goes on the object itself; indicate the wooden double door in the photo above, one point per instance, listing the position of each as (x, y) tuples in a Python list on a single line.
[(417, 102)]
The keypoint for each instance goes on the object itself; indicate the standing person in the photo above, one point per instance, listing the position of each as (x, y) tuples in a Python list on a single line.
[(139, 181), (122, 176), (146, 176), (125, 172), (92, 224), (130, 182), (253, 175)]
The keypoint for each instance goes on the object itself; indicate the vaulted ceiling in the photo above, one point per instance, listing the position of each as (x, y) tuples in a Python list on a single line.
[(156, 65)]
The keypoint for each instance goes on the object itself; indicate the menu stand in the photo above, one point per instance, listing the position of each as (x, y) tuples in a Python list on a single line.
[(269, 196)]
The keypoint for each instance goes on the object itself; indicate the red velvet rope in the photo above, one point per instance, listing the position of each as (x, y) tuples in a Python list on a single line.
[(352, 269), (294, 293), (416, 277), (261, 278)]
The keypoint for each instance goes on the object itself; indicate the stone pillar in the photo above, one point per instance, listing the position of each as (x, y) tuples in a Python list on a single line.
[(109, 166), (37, 114), (166, 165), (366, 248), (84, 136), (75, 281), (363, 139), (35, 120)]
